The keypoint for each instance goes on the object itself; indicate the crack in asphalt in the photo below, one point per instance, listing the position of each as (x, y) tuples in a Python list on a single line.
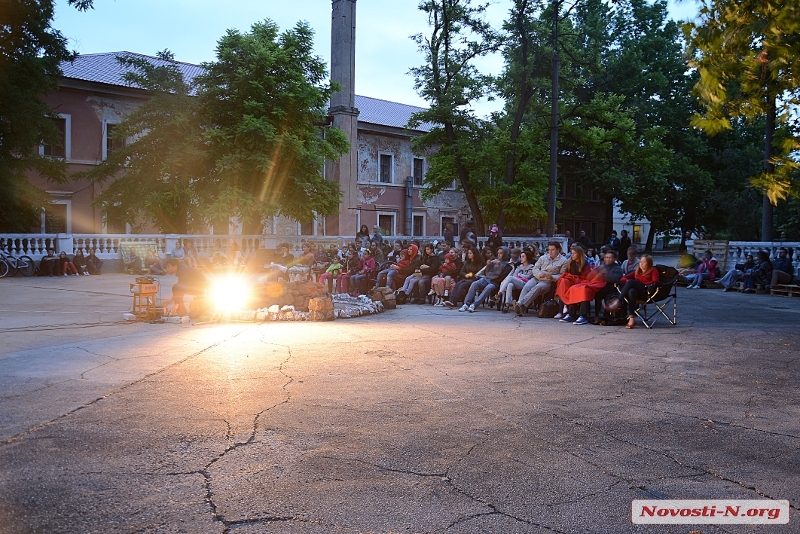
[(205, 472), (674, 459), (40, 426), (46, 386)]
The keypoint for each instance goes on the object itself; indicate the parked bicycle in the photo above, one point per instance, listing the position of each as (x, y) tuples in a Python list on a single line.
[(11, 265)]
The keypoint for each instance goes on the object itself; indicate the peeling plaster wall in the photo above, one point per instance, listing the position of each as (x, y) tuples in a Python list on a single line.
[(384, 198)]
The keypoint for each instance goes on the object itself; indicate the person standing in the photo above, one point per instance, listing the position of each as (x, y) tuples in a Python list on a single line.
[(624, 242), (613, 242)]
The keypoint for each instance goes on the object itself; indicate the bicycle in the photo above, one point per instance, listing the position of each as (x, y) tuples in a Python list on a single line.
[(11, 265)]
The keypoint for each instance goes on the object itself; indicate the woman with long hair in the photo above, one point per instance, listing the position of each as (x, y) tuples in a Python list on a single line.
[(635, 284), (473, 263), (578, 269), (518, 278)]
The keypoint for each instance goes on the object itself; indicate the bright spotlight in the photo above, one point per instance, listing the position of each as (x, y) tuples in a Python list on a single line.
[(229, 293)]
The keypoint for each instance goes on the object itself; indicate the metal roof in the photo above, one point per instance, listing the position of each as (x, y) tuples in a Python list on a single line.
[(104, 68)]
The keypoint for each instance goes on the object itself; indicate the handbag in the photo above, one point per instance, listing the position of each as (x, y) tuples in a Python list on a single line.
[(549, 309)]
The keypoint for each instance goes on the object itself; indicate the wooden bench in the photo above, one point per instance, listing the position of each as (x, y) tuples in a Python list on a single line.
[(785, 290)]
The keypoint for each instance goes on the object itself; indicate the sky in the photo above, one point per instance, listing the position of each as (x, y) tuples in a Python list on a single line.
[(191, 28)]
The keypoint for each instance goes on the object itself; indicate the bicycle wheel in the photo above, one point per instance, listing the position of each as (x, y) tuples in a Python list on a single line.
[(26, 266), (5, 268)]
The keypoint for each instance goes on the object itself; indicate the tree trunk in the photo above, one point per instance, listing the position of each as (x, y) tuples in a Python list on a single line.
[(769, 168), (651, 235)]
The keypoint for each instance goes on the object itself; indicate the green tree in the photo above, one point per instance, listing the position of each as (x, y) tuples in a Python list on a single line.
[(247, 146), (160, 177), (747, 55), (450, 81), (264, 100), (30, 53)]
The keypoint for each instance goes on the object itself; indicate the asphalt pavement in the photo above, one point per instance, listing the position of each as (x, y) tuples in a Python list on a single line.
[(419, 419)]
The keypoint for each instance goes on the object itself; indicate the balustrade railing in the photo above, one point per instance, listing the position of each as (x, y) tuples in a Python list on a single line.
[(738, 250), (107, 246)]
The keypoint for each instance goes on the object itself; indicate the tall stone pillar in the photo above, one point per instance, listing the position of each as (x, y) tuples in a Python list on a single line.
[(344, 113)]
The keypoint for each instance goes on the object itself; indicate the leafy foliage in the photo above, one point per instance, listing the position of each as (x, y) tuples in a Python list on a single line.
[(247, 146), (449, 81), (747, 55), (30, 53)]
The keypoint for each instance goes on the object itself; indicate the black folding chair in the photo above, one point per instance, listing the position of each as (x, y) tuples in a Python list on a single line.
[(660, 296)]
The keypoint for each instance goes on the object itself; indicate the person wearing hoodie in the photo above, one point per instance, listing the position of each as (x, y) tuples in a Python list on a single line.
[(494, 272), (517, 279), (467, 275), (414, 280), (442, 283), (387, 277), (495, 239)]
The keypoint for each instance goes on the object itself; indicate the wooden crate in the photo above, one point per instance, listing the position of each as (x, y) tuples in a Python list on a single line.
[(785, 290)]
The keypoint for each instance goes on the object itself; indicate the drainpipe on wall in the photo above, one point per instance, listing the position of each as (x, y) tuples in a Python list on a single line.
[(409, 204)]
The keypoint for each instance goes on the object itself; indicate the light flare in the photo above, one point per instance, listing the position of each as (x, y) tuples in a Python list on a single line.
[(229, 293)]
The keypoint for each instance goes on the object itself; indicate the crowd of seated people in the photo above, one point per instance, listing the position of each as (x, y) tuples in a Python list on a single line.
[(62, 265)]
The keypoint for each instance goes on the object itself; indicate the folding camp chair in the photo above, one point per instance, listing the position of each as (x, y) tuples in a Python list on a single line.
[(660, 296)]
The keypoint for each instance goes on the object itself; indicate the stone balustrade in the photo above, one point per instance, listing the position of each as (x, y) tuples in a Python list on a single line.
[(737, 250), (108, 245)]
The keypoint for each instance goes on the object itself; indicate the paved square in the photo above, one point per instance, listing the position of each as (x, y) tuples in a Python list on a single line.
[(421, 419)]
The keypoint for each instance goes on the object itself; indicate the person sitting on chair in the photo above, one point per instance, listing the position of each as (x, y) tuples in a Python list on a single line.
[(190, 282), (546, 272), (635, 285)]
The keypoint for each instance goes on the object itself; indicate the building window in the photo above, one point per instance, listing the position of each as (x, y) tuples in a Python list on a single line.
[(61, 148), (418, 226), (307, 228), (386, 222), (56, 218), (385, 168), (637, 233), (419, 171), (110, 144), (445, 222)]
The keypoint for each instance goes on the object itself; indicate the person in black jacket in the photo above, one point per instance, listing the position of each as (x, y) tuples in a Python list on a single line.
[(190, 282), (494, 273), (624, 242), (428, 267), (467, 275), (495, 240)]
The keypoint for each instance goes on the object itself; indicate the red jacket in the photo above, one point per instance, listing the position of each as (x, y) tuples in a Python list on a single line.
[(648, 278)]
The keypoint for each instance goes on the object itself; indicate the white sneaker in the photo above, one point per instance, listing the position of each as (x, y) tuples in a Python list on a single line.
[(471, 308), (65, 274), (446, 293), (439, 302), (464, 308), (431, 292), (559, 315)]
